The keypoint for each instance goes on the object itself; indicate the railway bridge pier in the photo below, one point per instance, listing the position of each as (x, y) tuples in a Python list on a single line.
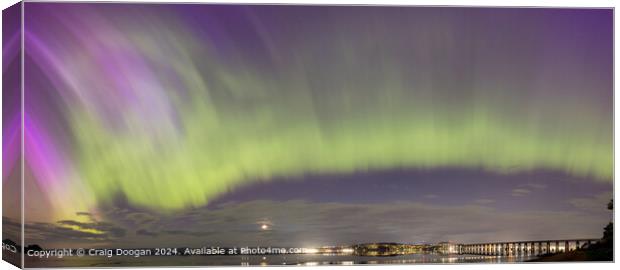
[(523, 248)]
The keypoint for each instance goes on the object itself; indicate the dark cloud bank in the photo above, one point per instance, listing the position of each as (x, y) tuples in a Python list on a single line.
[(301, 223)]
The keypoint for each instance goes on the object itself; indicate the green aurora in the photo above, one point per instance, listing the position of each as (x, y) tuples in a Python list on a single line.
[(367, 93), (284, 129)]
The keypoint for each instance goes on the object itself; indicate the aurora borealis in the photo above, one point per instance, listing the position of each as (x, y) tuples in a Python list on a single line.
[(169, 108)]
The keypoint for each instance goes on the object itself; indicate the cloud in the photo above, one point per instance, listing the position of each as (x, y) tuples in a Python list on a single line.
[(69, 231), (11, 229), (431, 196), (146, 233), (187, 233), (303, 223), (86, 214), (103, 227), (519, 192), (534, 186), (42, 233), (484, 201), (140, 218), (595, 204), (526, 189)]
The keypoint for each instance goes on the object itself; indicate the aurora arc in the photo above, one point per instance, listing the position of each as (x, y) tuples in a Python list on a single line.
[(174, 106)]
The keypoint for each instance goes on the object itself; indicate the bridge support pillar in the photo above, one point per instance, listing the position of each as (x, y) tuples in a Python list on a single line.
[(526, 248)]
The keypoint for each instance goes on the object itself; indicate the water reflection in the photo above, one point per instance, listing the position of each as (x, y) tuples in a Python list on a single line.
[(310, 260), (295, 259)]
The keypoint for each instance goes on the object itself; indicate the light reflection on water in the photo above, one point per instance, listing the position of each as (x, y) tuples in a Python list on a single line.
[(304, 260)]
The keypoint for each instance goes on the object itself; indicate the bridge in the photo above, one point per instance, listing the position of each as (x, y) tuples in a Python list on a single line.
[(517, 248)]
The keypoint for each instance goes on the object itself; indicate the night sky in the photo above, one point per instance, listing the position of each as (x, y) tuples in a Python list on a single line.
[(314, 125)]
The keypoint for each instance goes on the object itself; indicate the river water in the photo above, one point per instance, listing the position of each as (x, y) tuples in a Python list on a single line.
[(298, 259)]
